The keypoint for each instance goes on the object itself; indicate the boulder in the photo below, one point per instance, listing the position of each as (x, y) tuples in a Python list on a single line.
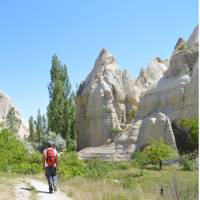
[(5, 105)]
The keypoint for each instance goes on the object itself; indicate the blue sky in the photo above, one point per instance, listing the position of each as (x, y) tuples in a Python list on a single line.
[(135, 31)]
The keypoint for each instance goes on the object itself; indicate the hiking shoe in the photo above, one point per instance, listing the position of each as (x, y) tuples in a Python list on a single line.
[(50, 189), (55, 188)]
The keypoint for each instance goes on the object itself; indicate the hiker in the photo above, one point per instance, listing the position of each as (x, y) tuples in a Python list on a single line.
[(50, 163)]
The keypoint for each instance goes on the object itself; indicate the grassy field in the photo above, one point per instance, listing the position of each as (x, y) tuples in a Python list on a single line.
[(126, 184), (119, 183)]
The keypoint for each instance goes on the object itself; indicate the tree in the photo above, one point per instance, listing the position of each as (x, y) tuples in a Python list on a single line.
[(142, 159), (39, 126), (61, 109), (31, 129), (157, 151), (11, 120)]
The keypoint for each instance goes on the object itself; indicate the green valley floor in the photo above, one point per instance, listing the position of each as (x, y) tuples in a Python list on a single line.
[(121, 184)]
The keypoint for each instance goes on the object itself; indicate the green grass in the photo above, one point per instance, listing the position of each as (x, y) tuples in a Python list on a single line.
[(122, 181)]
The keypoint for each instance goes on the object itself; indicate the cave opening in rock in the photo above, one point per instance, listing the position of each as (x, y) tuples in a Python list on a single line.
[(183, 138)]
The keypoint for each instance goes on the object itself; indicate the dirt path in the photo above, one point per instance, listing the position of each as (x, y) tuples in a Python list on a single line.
[(22, 191), (40, 192)]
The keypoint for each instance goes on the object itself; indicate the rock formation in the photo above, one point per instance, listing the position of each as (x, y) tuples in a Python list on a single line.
[(176, 93), (105, 100), (126, 143), (164, 96), (5, 105)]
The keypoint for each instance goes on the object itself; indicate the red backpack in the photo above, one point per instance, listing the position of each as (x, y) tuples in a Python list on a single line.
[(50, 159)]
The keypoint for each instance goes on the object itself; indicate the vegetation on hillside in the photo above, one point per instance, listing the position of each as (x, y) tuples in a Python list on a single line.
[(15, 157)]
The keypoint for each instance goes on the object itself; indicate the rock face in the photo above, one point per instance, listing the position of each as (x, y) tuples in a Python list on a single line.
[(176, 93), (141, 132), (5, 105), (104, 101), (166, 93)]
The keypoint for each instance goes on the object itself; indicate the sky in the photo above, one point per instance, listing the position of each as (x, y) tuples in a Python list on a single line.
[(134, 31)]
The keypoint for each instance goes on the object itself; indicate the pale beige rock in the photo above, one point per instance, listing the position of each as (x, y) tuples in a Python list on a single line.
[(194, 38), (5, 105), (165, 94), (104, 101), (140, 133), (155, 127), (176, 93)]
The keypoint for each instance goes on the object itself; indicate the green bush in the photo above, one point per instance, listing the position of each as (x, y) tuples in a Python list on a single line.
[(115, 131), (70, 166), (97, 168), (133, 111), (142, 159), (55, 138), (187, 162), (71, 146), (182, 46), (15, 157)]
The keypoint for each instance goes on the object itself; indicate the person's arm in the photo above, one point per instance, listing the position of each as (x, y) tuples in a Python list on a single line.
[(57, 160), (43, 160)]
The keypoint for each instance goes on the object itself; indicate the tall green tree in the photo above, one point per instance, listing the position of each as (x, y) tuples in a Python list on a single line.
[(11, 120), (38, 126), (31, 129), (61, 109)]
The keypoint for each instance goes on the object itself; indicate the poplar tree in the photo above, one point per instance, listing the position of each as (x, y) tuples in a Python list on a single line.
[(61, 109), (38, 126), (31, 129), (11, 120)]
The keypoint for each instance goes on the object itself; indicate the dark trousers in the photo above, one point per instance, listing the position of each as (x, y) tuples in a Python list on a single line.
[(50, 173)]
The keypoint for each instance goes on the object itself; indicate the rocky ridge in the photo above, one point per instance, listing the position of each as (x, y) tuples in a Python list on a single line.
[(5, 105), (170, 97), (106, 98)]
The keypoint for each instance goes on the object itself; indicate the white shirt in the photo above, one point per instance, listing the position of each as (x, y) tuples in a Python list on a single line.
[(45, 153)]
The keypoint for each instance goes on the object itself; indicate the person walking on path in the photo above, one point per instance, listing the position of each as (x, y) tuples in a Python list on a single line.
[(50, 163)]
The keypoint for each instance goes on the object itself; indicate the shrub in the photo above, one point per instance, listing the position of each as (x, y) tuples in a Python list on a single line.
[(71, 146), (182, 46), (142, 159), (70, 166), (97, 168), (55, 138), (133, 112), (187, 162), (15, 157), (115, 131)]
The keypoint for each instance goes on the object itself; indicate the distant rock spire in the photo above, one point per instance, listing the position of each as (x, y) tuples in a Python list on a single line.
[(194, 38)]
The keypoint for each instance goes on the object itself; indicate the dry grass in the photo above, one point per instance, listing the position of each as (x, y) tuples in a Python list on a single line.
[(127, 185), (7, 185)]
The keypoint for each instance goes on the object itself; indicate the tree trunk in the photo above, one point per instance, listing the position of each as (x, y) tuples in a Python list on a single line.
[(141, 171), (160, 164)]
